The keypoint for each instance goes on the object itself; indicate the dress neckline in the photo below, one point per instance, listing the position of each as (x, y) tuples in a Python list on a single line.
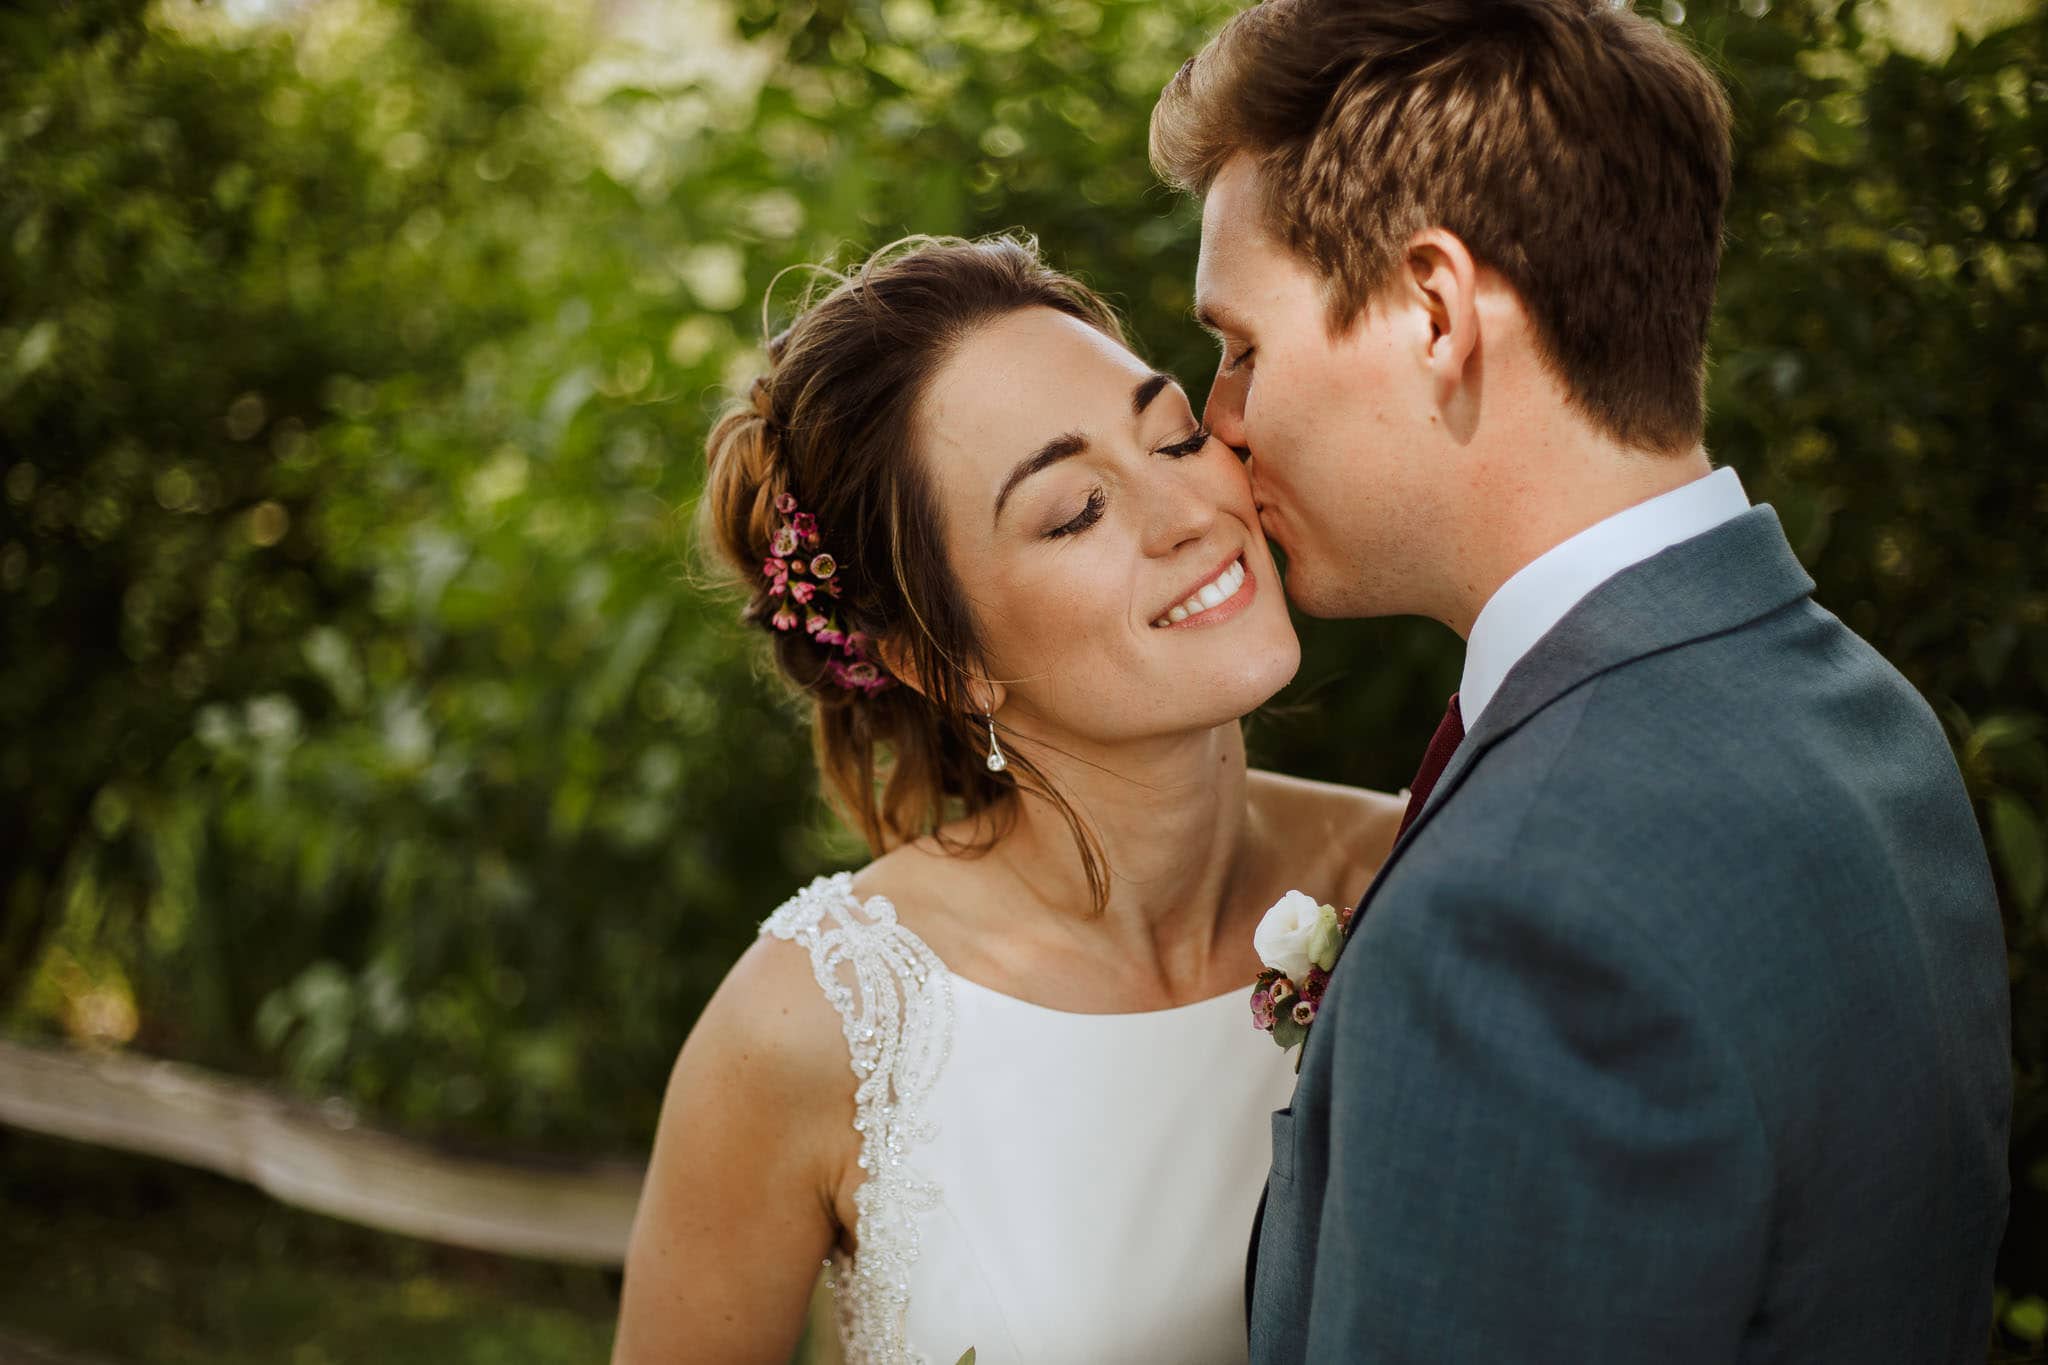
[(1240, 993), (879, 906)]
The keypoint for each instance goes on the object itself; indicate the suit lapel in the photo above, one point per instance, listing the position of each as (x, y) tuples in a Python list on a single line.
[(1739, 571)]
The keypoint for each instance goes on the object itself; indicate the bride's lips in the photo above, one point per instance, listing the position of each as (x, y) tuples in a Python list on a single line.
[(1222, 611)]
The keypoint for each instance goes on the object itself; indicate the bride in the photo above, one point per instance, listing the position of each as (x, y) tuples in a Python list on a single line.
[(1003, 1081)]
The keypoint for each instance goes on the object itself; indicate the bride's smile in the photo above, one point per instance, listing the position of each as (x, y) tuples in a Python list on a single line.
[(1217, 600)]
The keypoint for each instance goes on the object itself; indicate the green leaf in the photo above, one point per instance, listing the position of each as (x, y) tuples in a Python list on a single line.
[(2016, 834), (2003, 731), (967, 1359), (2027, 1320)]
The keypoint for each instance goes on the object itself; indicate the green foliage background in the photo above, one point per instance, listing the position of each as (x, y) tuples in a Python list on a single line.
[(362, 723)]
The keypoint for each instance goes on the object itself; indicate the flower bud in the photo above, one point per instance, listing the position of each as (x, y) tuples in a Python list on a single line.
[(1262, 1010)]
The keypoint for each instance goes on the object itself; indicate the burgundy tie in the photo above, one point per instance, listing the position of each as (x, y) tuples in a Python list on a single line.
[(1449, 733)]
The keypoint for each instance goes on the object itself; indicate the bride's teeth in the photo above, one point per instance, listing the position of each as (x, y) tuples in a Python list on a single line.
[(1214, 594)]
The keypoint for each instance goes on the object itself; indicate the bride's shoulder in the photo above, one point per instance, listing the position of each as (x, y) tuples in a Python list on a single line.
[(868, 918), (1314, 823), (822, 904), (771, 1002), (781, 1015), (1327, 804)]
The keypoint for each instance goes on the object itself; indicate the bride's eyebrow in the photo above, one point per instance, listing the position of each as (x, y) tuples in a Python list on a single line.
[(1148, 389), (1073, 443), (1045, 457)]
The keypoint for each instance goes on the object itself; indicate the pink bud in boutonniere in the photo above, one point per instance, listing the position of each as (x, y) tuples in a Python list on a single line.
[(1313, 984), (1304, 1012), (1282, 991), (1262, 1010)]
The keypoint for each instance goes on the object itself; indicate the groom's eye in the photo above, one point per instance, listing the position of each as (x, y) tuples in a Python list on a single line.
[(1231, 364)]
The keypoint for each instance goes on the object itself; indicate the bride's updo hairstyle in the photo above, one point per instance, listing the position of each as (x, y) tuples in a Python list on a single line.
[(830, 431)]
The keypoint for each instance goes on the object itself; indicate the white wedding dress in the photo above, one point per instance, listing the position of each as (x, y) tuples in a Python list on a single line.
[(1048, 1188)]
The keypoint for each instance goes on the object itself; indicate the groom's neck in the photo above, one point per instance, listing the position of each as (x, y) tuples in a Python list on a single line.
[(1532, 499)]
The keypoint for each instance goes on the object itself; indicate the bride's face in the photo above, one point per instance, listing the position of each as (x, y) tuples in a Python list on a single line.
[(1109, 546)]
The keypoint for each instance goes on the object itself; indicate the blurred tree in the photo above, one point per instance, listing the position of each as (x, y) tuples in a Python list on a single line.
[(362, 722)]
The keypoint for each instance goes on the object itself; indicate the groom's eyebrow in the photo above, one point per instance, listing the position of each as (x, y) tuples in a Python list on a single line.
[(1215, 319), (1073, 443)]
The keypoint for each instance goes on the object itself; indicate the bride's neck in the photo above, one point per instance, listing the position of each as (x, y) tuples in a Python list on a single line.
[(1170, 820)]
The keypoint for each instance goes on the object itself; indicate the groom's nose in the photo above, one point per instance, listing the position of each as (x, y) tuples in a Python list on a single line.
[(1223, 414)]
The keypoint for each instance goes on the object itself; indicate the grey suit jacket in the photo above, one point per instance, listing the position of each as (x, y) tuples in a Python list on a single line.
[(1677, 1026)]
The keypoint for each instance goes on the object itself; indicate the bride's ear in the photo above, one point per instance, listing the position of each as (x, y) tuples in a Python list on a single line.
[(902, 665), (989, 696), (984, 695)]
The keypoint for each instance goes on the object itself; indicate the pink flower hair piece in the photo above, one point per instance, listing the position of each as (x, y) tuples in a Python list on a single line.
[(812, 583)]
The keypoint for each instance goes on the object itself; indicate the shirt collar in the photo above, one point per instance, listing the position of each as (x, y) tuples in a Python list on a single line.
[(1523, 609)]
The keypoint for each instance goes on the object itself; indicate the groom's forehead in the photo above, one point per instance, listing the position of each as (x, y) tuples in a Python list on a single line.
[(1233, 233)]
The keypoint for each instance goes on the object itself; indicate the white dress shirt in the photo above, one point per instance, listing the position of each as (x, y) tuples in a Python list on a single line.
[(1525, 607)]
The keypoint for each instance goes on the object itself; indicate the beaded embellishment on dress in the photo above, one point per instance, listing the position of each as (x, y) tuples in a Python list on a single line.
[(895, 1004)]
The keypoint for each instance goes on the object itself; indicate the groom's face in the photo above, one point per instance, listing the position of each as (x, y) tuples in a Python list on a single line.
[(1335, 428)]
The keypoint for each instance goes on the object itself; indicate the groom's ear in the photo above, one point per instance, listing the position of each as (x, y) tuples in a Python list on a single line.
[(1444, 283)]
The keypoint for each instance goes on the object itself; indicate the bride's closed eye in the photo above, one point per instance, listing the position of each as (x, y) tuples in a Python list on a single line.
[(1089, 515), (1092, 511)]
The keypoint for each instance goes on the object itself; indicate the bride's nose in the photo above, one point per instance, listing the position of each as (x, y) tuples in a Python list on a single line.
[(1179, 509)]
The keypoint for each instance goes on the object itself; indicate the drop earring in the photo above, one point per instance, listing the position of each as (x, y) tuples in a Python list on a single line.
[(996, 761)]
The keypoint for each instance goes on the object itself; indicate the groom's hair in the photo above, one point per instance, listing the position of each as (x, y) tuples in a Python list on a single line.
[(1579, 149)]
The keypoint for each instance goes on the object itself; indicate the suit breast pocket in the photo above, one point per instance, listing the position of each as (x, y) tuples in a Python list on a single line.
[(1283, 1144)]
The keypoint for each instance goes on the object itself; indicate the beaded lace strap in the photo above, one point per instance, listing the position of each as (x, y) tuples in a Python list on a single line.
[(895, 1004)]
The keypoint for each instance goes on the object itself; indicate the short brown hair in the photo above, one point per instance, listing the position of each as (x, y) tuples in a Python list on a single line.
[(1576, 147), (832, 423)]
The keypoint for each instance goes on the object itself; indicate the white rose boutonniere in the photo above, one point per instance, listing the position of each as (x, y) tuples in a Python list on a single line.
[(1299, 940)]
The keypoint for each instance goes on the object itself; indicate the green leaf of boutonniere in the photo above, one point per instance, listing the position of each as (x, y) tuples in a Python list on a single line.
[(967, 1359)]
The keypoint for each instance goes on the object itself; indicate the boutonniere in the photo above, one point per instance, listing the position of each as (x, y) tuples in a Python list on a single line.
[(1299, 941)]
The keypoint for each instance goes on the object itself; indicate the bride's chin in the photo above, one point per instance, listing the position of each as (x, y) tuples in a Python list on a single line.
[(1275, 669)]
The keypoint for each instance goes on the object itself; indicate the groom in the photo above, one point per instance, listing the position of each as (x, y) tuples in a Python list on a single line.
[(1676, 1026)]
